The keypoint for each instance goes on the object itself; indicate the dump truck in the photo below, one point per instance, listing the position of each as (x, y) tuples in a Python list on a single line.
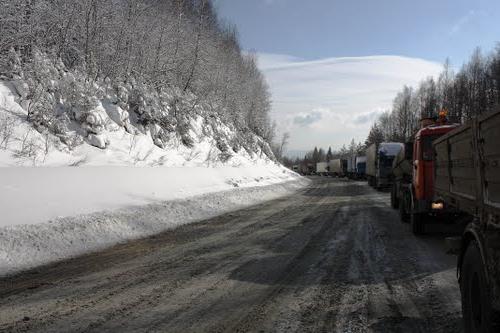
[(413, 172), (322, 168), (360, 167), (467, 178), (338, 167), (379, 158)]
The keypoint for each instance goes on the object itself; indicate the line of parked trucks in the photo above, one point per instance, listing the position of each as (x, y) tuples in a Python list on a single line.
[(353, 168), (448, 173)]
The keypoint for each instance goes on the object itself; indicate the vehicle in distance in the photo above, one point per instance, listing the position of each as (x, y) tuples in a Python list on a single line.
[(322, 168), (338, 167), (379, 158), (360, 167), (351, 167)]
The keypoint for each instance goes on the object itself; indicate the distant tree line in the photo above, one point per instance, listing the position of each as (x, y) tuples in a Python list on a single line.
[(321, 155), (472, 91), (175, 46)]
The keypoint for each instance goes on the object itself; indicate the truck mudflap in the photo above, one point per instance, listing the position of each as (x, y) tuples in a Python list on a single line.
[(491, 246)]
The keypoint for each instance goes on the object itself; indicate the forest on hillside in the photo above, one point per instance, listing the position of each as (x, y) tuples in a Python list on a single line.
[(473, 90), (162, 60)]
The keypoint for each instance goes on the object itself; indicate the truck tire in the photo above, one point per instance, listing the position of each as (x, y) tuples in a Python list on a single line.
[(417, 223), (476, 305), (394, 197), (403, 210)]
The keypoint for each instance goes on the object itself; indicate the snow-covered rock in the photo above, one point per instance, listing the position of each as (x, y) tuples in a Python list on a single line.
[(98, 140)]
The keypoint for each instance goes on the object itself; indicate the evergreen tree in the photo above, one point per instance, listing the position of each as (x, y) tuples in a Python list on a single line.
[(329, 154)]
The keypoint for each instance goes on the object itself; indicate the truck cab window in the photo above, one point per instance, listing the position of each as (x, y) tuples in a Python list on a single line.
[(427, 149)]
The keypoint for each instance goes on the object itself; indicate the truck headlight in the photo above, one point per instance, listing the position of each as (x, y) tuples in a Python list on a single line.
[(437, 205)]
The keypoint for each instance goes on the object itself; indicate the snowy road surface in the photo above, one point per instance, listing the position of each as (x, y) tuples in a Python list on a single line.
[(332, 258)]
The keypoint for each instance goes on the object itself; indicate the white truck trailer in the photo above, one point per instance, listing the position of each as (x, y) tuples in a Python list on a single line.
[(322, 168)]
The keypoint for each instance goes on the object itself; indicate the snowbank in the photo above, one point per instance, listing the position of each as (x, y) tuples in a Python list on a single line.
[(145, 201), (37, 195)]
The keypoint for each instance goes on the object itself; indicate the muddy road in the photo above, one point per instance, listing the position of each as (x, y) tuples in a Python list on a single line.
[(332, 258)]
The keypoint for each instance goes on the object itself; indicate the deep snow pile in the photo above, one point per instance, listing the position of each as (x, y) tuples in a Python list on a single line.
[(26, 246), (37, 195)]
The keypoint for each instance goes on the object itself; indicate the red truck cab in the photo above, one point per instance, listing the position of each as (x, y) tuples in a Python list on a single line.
[(423, 162), (422, 190)]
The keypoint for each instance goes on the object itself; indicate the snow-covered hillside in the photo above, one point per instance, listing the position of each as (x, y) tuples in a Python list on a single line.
[(107, 179), (103, 139)]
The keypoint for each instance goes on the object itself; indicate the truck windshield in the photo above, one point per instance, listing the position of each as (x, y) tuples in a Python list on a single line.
[(386, 161), (427, 149)]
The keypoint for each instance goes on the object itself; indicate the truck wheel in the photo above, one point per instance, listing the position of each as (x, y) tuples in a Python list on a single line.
[(394, 197), (476, 306), (417, 223), (403, 212)]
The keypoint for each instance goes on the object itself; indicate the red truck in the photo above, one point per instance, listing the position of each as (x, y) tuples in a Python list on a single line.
[(413, 169)]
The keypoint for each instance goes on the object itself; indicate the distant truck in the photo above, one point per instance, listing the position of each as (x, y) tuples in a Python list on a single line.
[(322, 168), (413, 171), (402, 170), (379, 158), (467, 178), (351, 167), (360, 167), (306, 169), (338, 167)]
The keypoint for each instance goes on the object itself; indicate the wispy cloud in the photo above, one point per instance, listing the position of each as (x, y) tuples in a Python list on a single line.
[(328, 102), (369, 117), (307, 119), (464, 21)]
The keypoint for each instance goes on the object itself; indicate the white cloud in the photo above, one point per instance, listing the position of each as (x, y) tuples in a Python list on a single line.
[(330, 101), (462, 22), (307, 119)]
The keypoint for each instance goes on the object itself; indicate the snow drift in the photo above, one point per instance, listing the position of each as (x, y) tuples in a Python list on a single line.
[(27, 246)]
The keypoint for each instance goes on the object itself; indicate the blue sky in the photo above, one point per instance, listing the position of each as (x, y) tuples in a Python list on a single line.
[(312, 29), (315, 32)]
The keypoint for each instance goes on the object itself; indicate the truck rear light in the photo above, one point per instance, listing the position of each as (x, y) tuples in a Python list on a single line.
[(437, 205)]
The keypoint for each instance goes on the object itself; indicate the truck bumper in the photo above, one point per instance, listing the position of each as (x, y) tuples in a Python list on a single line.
[(426, 207), (384, 182)]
